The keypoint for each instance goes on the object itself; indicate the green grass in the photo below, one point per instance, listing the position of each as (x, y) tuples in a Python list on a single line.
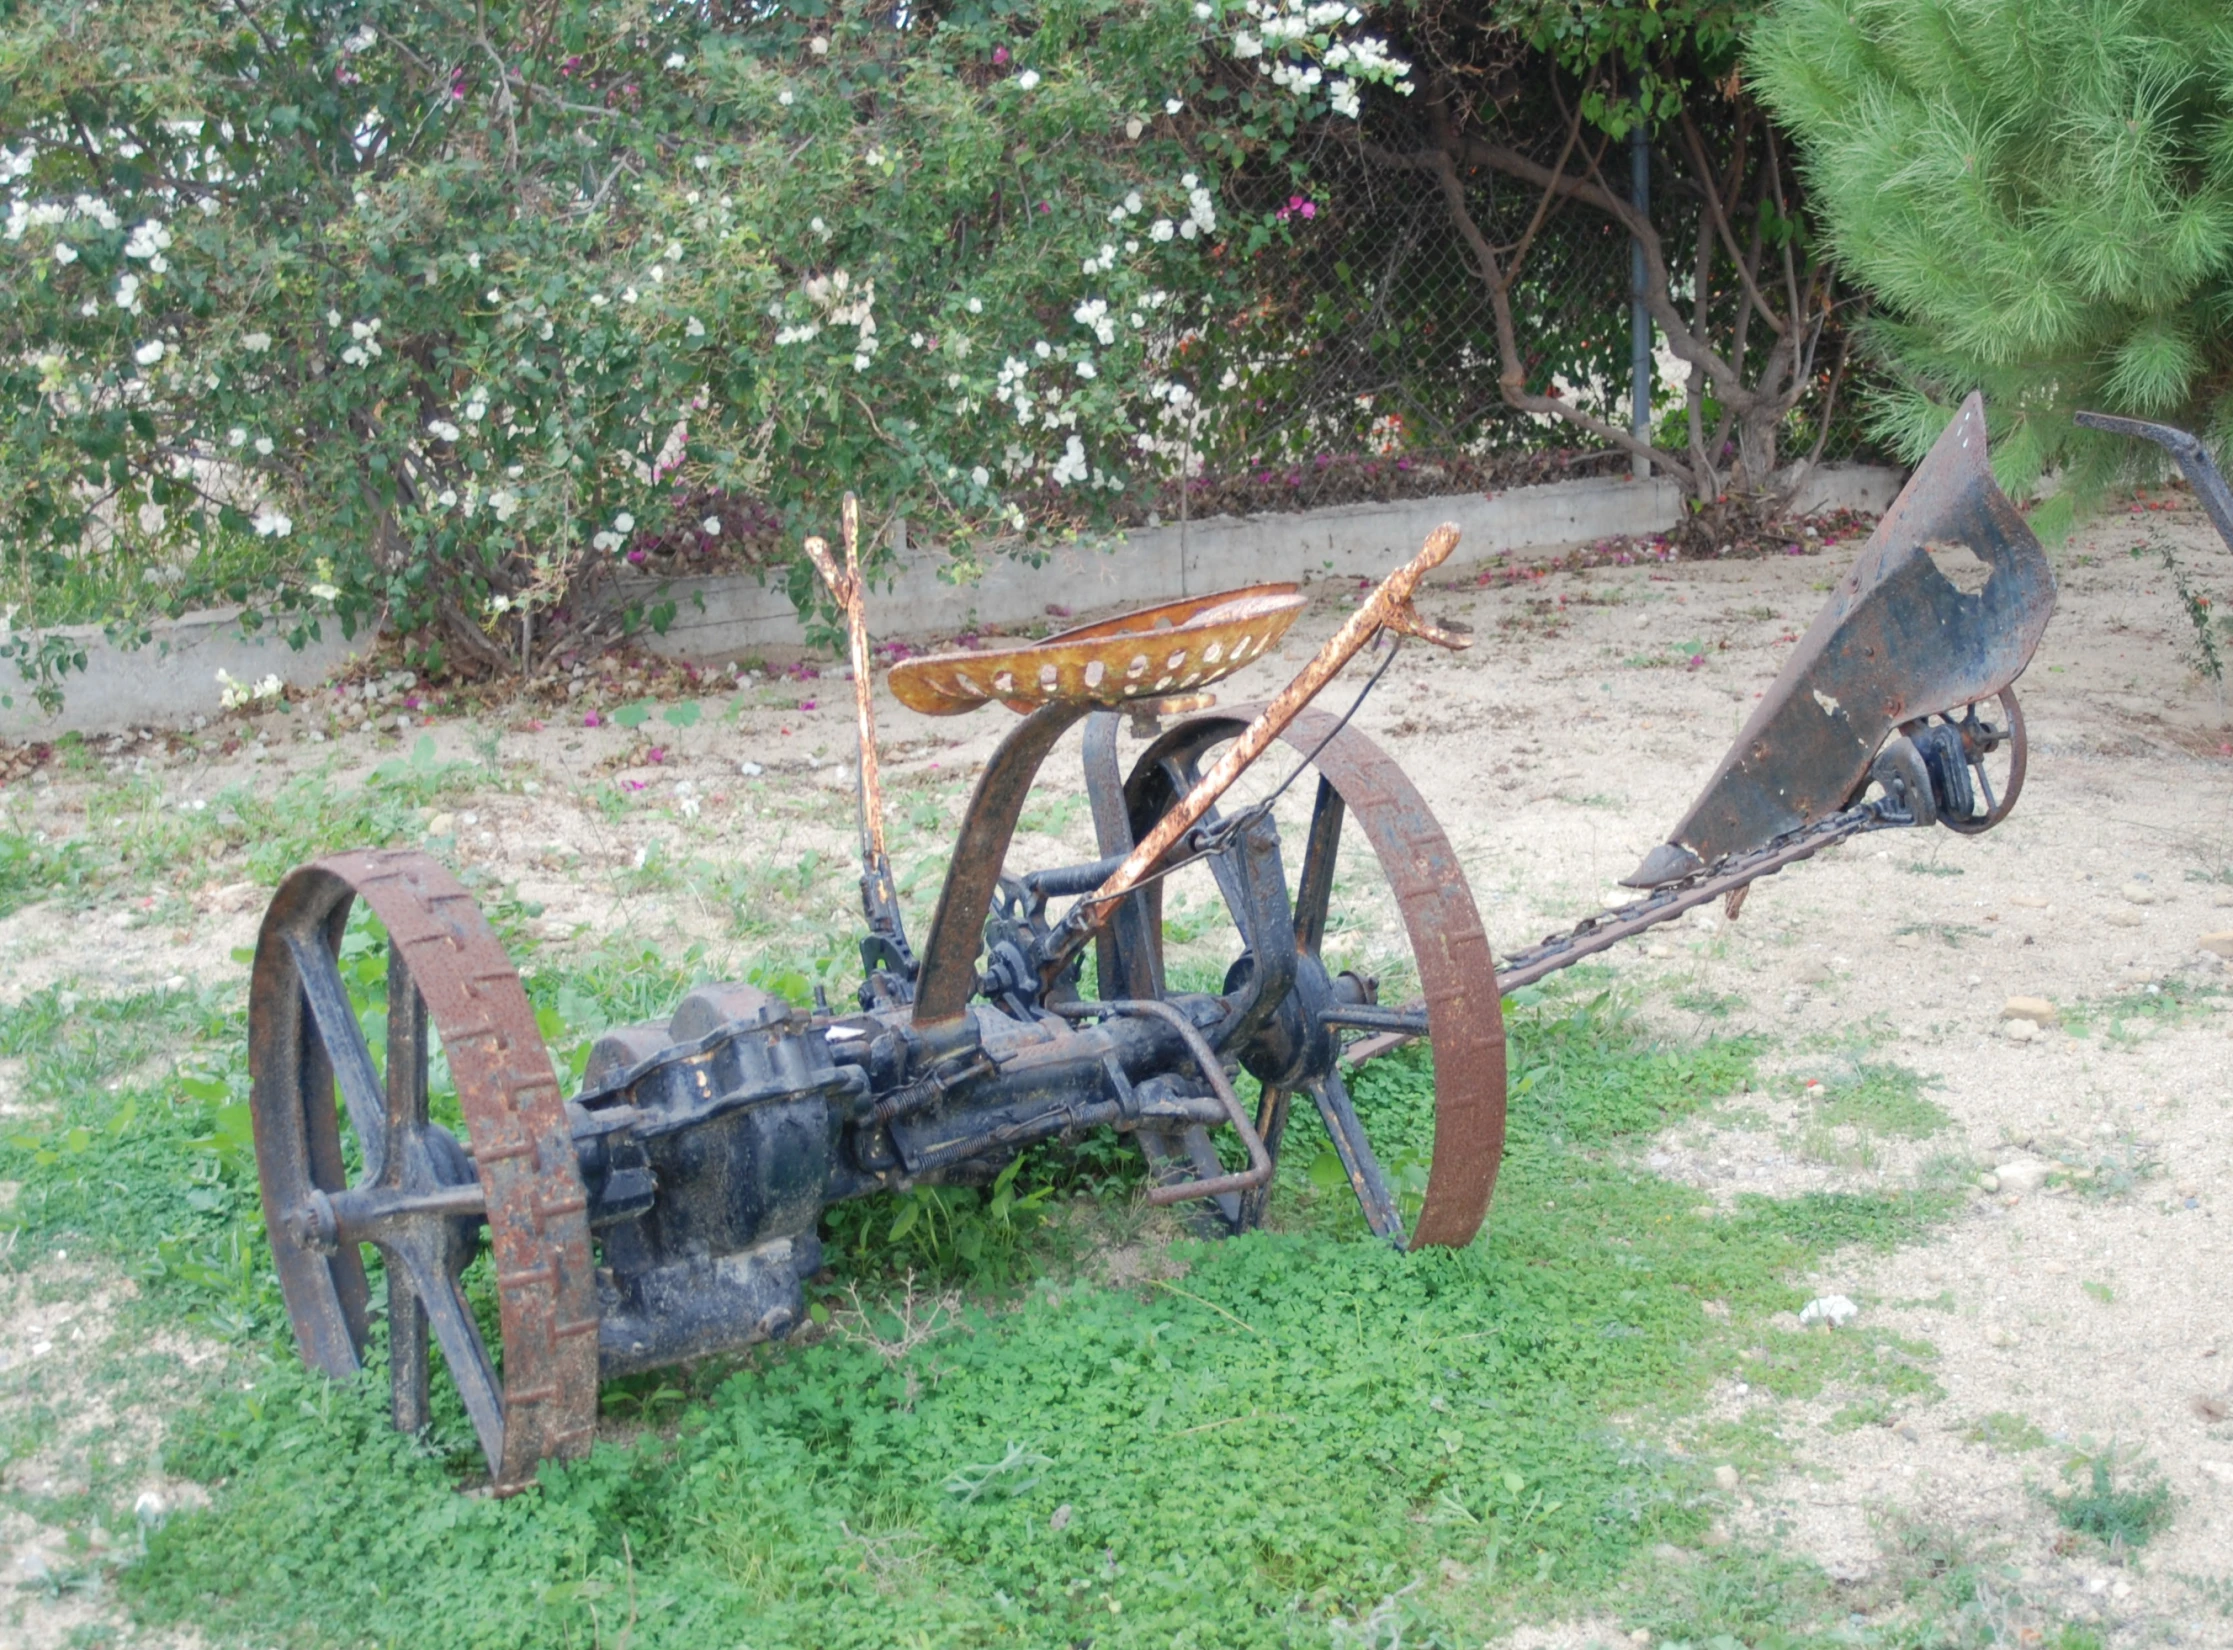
[(1282, 1440), (1877, 1098)]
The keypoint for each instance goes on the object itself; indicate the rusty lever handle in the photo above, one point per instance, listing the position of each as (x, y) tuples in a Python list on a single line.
[(1387, 608)]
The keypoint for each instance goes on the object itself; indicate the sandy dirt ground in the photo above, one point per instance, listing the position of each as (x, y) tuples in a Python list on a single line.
[(2082, 1302)]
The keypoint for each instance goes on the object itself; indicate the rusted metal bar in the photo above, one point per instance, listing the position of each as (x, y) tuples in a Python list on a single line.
[(845, 584), (1259, 1170), (1387, 608)]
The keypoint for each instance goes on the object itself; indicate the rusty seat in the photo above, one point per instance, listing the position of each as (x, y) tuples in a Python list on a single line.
[(1173, 648)]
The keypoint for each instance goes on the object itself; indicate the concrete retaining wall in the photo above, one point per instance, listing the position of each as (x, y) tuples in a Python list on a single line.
[(173, 679), (728, 616)]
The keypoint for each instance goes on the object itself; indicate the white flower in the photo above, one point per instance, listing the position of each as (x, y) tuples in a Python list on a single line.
[(1132, 202), (1204, 12), (255, 343), (694, 328), (271, 524), (1342, 97), (263, 445), (236, 436), (325, 592), (446, 498), (711, 527), (1072, 465), (1086, 370), (442, 429), (152, 517), (624, 523), (360, 41), (1164, 229), (821, 230), (503, 502), (1028, 79), (146, 240), (1190, 182), (784, 97), (1042, 349), (675, 60), (476, 410), (354, 355), (875, 155), (860, 363), (333, 316), (128, 291), (981, 476), (65, 253), (1172, 106), (819, 45), (975, 307), (1133, 128), (149, 353), (607, 540), (627, 294), (1247, 45)]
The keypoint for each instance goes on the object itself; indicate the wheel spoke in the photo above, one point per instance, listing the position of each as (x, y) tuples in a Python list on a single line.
[(1314, 891), (407, 1350), (343, 1040), (1355, 1152), (1271, 1124), (407, 1054), (463, 1350)]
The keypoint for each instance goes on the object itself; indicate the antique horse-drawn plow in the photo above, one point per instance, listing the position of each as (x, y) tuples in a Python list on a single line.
[(671, 1208)]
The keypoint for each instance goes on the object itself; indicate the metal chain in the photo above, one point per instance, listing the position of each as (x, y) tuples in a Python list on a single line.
[(1605, 929)]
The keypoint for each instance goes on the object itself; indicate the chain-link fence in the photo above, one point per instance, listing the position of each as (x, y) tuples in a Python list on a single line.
[(1369, 368)]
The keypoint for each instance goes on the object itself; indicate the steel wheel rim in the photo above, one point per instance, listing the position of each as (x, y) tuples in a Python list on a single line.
[(544, 1403), (1448, 944)]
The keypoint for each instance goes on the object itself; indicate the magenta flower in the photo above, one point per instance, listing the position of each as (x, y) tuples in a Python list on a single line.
[(806, 704), (592, 720), (657, 753), (1000, 57)]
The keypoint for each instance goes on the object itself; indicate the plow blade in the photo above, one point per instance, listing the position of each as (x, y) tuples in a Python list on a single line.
[(1944, 607)]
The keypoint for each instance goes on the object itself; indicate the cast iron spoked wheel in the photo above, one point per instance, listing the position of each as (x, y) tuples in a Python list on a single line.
[(1356, 780), (1992, 732), (420, 1197)]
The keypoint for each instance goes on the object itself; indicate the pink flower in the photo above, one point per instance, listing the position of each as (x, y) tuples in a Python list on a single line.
[(657, 753), (1309, 209), (632, 784), (411, 703), (592, 720), (806, 704), (636, 558), (1000, 57)]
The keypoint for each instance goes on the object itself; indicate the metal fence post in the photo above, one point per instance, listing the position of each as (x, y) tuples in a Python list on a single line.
[(1639, 317)]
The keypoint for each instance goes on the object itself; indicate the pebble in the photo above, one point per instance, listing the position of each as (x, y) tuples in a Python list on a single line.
[(1834, 1310), (2030, 902), (2122, 919), (2018, 1031), (2219, 942), (1725, 1479), (2022, 1174), (1997, 1336), (1988, 1182), (2036, 1011), (442, 825), (2137, 893), (750, 770), (1061, 1518)]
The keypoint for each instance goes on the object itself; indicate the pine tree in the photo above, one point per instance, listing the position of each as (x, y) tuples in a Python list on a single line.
[(2040, 195)]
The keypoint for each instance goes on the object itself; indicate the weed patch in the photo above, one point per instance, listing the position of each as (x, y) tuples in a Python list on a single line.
[(2117, 1517)]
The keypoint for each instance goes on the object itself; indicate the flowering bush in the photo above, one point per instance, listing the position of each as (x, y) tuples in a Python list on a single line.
[(470, 306)]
